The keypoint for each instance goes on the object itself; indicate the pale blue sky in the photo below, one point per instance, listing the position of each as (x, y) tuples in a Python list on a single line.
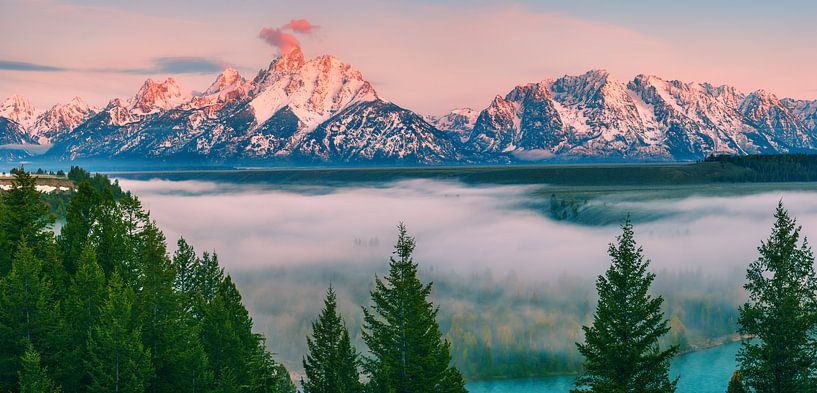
[(428, 55)]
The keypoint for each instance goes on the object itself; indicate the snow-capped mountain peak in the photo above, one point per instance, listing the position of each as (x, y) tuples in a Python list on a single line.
[(228, 86), (288, 62), (313, 90), (18, 109), (458, 120), (155, 96), (61, 119)]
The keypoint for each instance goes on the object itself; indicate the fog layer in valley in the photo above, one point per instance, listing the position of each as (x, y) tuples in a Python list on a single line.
[(457, 227), (514, 286)]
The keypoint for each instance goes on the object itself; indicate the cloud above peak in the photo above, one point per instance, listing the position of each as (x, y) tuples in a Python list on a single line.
[(283, 37)]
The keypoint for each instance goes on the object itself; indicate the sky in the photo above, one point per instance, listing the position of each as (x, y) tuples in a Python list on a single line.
[(428, 56)]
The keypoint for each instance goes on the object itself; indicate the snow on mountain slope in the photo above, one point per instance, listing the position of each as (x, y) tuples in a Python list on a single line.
[(323, 106), (313, 90), (805, 111), (12, 137), (459, 121), (61, 119), (18, 109), (323, 110)]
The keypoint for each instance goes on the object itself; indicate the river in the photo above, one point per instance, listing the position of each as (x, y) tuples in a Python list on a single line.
[(706, 371)]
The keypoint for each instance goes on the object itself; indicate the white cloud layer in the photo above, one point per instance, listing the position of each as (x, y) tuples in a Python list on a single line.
[(457, 227)]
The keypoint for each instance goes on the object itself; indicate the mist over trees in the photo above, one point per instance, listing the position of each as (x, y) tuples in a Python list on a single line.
[(104, 307)]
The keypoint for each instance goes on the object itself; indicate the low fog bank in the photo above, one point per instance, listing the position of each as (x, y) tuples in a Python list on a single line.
[(514, 285), (457, 227)]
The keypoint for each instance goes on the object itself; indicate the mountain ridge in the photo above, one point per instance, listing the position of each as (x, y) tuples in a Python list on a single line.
[(322, 110)]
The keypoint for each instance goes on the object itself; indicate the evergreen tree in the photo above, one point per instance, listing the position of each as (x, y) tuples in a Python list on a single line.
[(79, 221), (26, 311), (409, 354), (735, 384), (185, 264), (621, 348), (117, 361), (165, 332), (227, 334), (208, 276), (114, 247), (86, 295), (34, 378), (780, 314), (331, 366), (25, 216)]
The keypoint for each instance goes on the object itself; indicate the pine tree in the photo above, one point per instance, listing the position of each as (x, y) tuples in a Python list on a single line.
[(26, 311), (208, 276), (79, 221), (86, 294), (164, 331), (114, 247), (781, 313), (409, 354), (621, 349), (117, 361), (735, 384), (25, 216), (331, 366), (185, 264), (34, 378)]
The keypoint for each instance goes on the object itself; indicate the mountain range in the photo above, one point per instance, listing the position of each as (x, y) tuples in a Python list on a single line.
[(322, 110)]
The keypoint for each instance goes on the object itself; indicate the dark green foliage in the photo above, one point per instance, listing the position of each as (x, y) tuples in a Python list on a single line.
[(27, 312), (79, 220), (621, 348), (736, 384), (25, 215), (770, 167), (781, 314), (331, 366), (33, 377), (107, 308), (408, 352), (86, 294), (117, 361)]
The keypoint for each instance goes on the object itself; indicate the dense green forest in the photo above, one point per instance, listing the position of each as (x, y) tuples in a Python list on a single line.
[(102, 307), (769, 168)]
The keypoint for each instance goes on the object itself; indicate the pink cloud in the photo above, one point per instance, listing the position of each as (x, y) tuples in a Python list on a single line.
[(283, 37), (280, 39), (302, 26)]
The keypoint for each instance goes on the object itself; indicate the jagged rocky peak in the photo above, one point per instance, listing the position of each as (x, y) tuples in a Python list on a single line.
[(228, 86), (313, 90), (18, 109), (61, 119), (457, 119), (228, 78), (530, 91), (592, 87), (289, 61), (155, 96)]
